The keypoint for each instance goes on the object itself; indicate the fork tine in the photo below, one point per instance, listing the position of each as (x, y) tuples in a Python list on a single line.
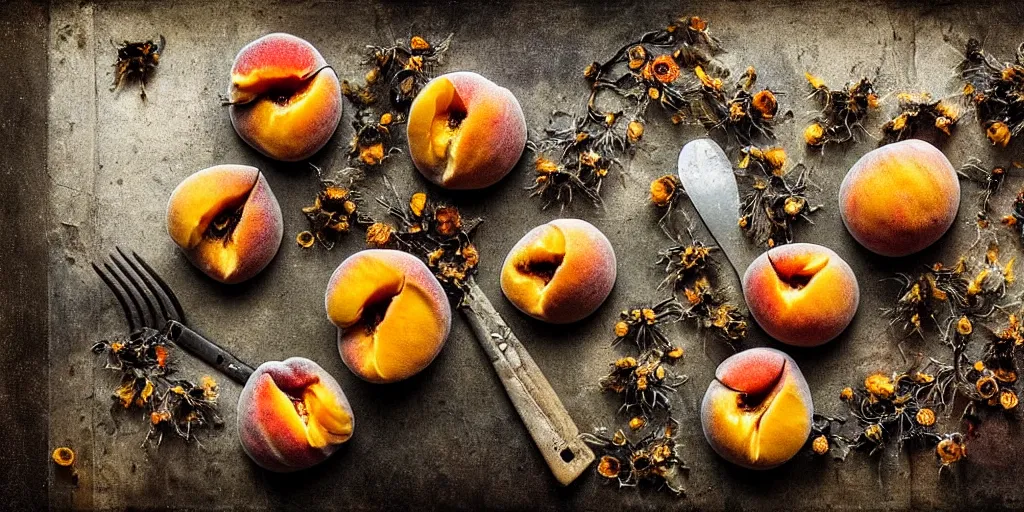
[(167, 293), (137, 288), (117, 294), (146, 280), (125, 289)]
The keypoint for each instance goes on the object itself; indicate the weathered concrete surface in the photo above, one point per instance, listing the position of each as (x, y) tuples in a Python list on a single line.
[(449, 437), (23, 292)]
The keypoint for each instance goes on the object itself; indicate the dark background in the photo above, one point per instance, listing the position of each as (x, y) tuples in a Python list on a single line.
[(85, 169)]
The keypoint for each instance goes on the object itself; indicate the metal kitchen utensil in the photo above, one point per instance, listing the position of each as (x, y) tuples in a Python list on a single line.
[(147, 301), (707, 176), (549, 424)]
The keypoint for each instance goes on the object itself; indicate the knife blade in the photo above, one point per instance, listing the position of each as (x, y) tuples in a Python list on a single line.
[(708, 179)]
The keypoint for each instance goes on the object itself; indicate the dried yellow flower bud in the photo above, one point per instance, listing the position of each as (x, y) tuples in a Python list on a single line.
[(879, 385), (621, 329), (1008, 399), (963, 326), (418, 43), (925, 417), (820, 445), (637, 423), (634, 131), (814, 135), (417, 203), (663, 189)]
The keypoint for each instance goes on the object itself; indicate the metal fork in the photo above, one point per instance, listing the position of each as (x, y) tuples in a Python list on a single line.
[(147, 301)]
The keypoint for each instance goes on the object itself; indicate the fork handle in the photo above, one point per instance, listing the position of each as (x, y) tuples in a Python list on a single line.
[(549, 424), (208, 351)]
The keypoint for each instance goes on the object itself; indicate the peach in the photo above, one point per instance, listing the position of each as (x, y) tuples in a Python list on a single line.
[(900, 198), (559, 272), (757, 413), (801, 294), (227, 221), (285, 100), (292, 415), (391, 313), (465, 132)]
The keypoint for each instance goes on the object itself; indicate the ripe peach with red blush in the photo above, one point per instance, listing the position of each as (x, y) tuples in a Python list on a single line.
[(465, 132), (801, 294), (900, 198), (292, 415), (757, 412), (392, 315), (227, 221), (559, 272), (285, 101)]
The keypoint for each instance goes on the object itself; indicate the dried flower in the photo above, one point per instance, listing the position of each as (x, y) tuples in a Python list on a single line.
[(663, 68), (950, 449), (879, 386), (634, 131), (136, 61), (652, 459), (379, 235), (814, 135), (1008, 399), (820, 445), (663, 190), (925, 417), (64, 456)]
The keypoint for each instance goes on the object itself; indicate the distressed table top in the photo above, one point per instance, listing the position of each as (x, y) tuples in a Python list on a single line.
[(449, 437)]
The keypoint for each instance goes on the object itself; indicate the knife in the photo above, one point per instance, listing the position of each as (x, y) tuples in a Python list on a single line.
[(708, 179), (547, 421)]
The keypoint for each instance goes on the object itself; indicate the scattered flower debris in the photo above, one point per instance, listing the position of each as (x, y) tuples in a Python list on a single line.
[(335, 211), (842, 111), (777, 196), (995, 90), (396, 75), (689, 268), (136, 62), (147, 383), (919, 112), (578, 151), (653, 459), (435, 232)]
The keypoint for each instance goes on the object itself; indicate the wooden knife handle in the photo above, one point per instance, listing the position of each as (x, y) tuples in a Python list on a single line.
[(549, 424)]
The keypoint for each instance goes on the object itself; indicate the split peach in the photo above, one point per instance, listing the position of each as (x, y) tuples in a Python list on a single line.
[(559, 272), (900, 198), (227, 221), (757, 413), (465, 132), (285, 100), (391, 313), (801, 294), (292, 415)]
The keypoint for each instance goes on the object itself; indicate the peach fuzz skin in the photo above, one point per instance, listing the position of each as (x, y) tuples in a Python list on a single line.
[(227, 221), (465, 132), (801, 294), (900, 198), (285, 100), (391, 313), (559, 272), (757, 412), (292, 415)]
